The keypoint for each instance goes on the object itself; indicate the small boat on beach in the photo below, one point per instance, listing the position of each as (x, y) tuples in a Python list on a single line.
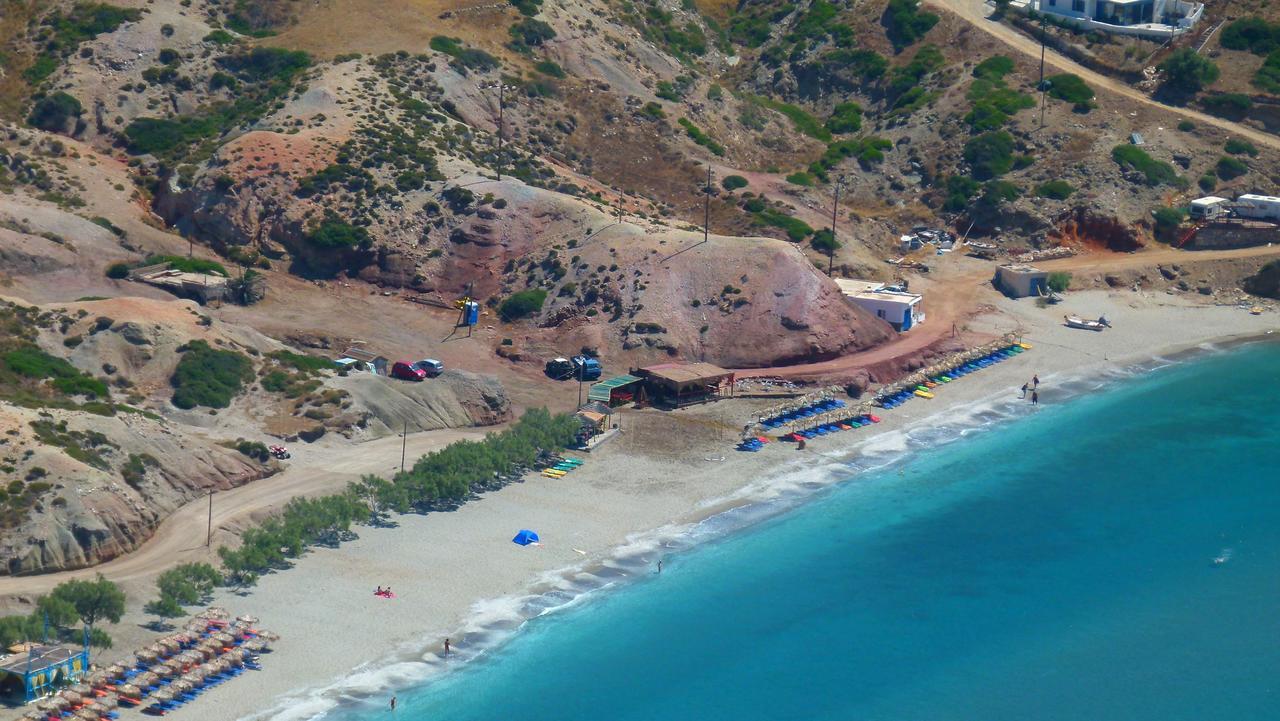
[(1075, 321)]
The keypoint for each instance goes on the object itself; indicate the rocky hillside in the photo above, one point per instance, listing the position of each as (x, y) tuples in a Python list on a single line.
[(119, 411)]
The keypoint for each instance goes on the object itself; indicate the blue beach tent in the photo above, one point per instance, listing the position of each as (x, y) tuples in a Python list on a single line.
[(525, 537)]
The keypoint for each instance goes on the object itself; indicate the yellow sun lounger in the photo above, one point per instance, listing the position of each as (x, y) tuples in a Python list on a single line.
[(553, 474)]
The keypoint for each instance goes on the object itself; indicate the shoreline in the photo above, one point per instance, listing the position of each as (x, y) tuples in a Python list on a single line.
[(466, 581)]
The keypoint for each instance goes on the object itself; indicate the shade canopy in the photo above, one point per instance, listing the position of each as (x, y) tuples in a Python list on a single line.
[(525, 537)]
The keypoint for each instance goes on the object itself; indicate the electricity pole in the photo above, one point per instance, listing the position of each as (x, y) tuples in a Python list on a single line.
[(835, 207), (706, 207), (404, 443), (501, 108), (1042, 86), (208, 540)]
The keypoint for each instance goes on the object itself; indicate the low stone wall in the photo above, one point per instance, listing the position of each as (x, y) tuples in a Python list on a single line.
[(1225, 236)]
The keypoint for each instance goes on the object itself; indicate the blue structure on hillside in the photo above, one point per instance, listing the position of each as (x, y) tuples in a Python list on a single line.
[(44, 669)]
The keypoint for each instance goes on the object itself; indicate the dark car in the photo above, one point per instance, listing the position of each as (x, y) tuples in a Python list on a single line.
[(406, 372)]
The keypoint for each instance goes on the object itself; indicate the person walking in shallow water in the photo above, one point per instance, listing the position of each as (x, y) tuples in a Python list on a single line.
[(1035, 398), (1025, 386), (1035, 382), (446, 647), (393, 703)]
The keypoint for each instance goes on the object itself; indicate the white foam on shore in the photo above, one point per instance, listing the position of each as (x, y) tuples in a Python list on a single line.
[(491, 622)]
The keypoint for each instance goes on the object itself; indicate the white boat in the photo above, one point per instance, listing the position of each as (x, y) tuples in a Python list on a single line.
[(1075, 321)]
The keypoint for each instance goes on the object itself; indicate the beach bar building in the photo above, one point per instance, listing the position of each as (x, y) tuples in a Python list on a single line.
[(42, 669), (1021, 281), (683, 384)]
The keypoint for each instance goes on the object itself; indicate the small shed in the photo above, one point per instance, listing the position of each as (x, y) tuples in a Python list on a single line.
[(1021, 281), (901, 310), (42, 669), (681, 384), (616, 390)]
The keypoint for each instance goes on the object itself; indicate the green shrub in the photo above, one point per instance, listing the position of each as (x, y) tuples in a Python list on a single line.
[(905, 24), (1229, 168), (31, 362), (994, 68), (1059, 281), (700, 137), (66, 30), (220, 37), (996, 193), (733, 182), (1071, 88), (189, 265), (209, 377), (548, 67), (845, 118), (800, 178), (465, 57), (1236, 146), (1268, 75), (118, 271), (1186, 126), (1233, 106), (797, 230), (528, 8), (802, 120), (1187, 72), (1167, 223), (824, 241), (530, 33), (1156, 172), (52, 112), (989, 155), (335, 234), (1251, 33), (522, 304), (1208, 181), (960, 189), (1055, 190)]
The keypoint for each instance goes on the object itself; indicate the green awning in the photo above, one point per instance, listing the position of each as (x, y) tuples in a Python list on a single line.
[(603, 390)]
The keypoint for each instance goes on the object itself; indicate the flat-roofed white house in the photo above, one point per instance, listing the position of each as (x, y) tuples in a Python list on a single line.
[(898, 308), (1158, 19)]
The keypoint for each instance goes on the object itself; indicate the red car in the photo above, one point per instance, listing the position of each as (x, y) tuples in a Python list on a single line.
[(406, 372)]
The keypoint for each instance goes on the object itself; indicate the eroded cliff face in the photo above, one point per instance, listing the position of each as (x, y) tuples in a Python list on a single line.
[(110, 481)]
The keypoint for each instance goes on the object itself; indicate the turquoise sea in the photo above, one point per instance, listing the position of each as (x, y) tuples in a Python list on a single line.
[(1113, 556)]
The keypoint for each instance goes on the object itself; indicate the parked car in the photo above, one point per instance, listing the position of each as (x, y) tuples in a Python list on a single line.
[(406, 372), (430, 366), (586, 368), (559, 368)]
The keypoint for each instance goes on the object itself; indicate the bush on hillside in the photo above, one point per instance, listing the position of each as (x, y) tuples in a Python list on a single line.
[(1232, 106), (1236, 146), (1055, 190), (733, 182), (905, 23), (1156, 172), (1167, 223), (209, 377), (1186, 72), (1071, 88), (1229, 168), (54, 111), (1059, 281), (522, 304), (335, 234), (989, 155)]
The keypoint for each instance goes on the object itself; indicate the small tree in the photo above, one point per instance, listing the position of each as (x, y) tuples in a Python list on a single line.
[(164, 608), (1059, 281), (1187, 73), (93, 600), (1167, 223)]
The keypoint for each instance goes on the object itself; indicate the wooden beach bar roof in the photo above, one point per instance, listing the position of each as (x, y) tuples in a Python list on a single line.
[(684, 383), (42, 668)]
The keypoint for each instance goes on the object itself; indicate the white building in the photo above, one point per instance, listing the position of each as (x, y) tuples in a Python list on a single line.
[(1156, 19), (898, 308)]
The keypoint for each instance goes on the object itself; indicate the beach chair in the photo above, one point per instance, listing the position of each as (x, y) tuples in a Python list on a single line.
[(552, 474)]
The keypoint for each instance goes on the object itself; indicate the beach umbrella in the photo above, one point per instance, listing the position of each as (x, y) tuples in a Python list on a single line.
[(181, 686), (115, 670), (83, 689), (224, 637), (164, 694), (34, 715), (165, 669), (256, 644), (525, 537), (273, 636), (129, 690), (87, 714), (53, 703), (247, 619), (146, 679), (71, 696)]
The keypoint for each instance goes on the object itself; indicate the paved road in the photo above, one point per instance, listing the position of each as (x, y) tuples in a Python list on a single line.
[(976, 13), (181, 537)]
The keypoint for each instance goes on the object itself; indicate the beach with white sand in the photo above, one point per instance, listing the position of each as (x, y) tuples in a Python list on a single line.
[(457, 574)]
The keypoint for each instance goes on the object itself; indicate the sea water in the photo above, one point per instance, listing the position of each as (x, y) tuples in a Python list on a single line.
[(1112, 557)]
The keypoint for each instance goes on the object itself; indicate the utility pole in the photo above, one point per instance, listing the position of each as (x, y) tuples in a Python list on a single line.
[(706, 207), (1042, 86), (208, 540), (835, 207), (404, 444), (581, 372), (501, 108)]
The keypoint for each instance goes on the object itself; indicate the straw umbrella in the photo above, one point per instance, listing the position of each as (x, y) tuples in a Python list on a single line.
[(129, 690), (87, 714), (164, 694), (145, 679), (72, 697), (247, 619), (34, 715), (146, 655), (83, 689)]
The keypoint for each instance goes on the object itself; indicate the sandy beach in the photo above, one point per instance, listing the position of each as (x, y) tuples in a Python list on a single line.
[(458, 573)]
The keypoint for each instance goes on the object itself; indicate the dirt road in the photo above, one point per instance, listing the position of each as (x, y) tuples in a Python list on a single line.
[(180, 538), (977, 12)]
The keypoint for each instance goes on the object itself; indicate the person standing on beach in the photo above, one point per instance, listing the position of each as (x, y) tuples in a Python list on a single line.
[(446, 647), (393, 703), (1025, 386), (659, 565), (1035, 382), (1035, 398)]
